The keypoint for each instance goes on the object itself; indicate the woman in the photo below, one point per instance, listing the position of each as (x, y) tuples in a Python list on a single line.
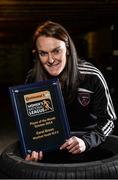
[(87, 98)]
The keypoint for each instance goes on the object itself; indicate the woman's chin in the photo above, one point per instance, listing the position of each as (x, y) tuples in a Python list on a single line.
[(54, 73)]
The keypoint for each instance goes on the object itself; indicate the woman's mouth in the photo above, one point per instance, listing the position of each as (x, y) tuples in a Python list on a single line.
[(54, 65)]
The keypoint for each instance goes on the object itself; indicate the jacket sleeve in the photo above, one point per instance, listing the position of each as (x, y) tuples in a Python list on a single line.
[(102, 108)]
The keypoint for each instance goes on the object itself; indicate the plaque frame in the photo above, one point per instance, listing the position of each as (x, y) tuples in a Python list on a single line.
[(40, 115)]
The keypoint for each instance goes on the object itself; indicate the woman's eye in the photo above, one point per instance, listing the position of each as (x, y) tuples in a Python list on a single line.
[(42, 53), (57, 51)]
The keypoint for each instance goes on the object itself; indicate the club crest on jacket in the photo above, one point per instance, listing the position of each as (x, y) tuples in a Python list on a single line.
[(84, 98)]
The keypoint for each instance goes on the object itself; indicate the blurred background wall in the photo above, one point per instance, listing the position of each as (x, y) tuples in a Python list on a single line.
[(92, 24)]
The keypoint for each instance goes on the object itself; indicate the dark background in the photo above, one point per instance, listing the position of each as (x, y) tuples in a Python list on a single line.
[(92, 24)]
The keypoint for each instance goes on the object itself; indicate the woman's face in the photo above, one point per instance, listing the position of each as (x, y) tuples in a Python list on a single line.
[(52, 54)]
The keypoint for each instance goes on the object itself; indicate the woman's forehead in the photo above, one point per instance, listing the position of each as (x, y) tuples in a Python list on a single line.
[(49, 43)]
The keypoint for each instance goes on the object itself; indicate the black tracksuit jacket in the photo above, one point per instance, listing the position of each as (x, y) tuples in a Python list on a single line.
[(91, 115)]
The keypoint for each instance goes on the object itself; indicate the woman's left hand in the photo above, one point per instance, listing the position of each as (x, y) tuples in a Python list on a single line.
[(74, 145)]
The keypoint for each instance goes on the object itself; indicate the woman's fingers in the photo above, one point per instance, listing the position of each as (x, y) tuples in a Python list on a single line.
[(66, 144), (74, 145), (40, 155), (27, 157), (75, 149), (35, 156)]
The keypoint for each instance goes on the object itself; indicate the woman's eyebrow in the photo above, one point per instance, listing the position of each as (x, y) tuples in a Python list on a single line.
[(39, 50), (56, 48)]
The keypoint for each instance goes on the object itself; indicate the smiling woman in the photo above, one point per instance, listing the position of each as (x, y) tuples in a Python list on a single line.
[(90, 151), (52, 54), (88, 103)]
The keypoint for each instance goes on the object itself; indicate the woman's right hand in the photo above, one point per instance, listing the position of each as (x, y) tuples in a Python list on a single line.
[(34, 156)]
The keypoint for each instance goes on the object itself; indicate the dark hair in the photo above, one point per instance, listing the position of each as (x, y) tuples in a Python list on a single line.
[(69, 76)]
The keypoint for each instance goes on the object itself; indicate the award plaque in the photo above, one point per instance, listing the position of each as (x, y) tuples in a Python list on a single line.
[(40, 115)]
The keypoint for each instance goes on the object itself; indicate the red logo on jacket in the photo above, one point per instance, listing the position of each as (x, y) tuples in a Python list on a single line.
[(84, 98)]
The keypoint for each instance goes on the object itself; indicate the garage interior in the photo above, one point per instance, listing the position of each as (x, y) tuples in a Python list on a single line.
[(92, 24)]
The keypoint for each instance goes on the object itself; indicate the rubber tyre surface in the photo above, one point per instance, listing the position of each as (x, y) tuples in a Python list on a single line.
[(13, 166)]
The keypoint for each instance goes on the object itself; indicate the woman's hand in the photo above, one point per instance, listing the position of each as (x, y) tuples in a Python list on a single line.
[(74, 145), (34, 156)]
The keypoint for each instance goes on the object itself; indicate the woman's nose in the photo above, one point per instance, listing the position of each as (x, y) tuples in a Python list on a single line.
[(50, 58)]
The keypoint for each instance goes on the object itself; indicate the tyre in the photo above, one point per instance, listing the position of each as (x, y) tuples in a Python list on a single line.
[(13, 166)]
